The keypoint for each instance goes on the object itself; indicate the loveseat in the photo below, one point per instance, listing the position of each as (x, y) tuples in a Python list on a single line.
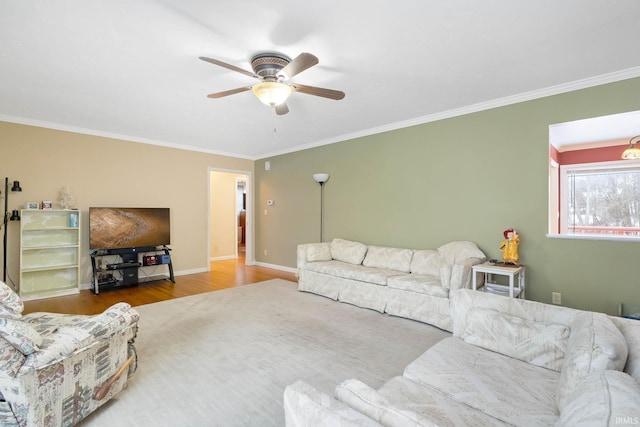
[(508, 362), (409, 283), (55, 369)]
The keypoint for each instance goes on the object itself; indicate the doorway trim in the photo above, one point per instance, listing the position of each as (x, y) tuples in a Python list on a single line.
[(249, 251)]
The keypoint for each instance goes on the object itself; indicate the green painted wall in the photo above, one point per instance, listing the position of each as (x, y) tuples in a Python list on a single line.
[(464, 178)]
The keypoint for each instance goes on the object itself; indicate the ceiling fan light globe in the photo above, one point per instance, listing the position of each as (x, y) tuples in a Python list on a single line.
[(272, 93)]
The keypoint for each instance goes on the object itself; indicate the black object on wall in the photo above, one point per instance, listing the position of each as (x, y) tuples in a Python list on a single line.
[(14, 217)]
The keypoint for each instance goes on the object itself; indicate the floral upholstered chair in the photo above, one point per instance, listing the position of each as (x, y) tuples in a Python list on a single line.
[(55, 369)]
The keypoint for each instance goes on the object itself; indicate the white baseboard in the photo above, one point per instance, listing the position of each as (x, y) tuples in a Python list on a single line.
[(223, 258), (192, 271), (277, 267)]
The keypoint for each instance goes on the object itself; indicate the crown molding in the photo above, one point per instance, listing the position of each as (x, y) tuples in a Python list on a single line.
[(628, 73), (93, 132), (613, 77)]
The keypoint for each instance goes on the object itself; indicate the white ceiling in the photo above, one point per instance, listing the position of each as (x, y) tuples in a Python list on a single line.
[(130, 69), (615, 129)]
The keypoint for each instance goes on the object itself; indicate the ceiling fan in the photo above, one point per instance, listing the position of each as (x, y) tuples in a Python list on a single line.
[(273, 70)]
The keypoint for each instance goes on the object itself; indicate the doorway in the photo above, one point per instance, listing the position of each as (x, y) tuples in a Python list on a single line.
[(241, 214), (230, 231)]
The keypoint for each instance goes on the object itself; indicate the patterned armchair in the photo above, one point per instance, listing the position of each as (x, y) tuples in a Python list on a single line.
[(55, 369)]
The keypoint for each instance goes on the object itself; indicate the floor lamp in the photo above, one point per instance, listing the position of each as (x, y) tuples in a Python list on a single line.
[(14, 217), (321, 178)]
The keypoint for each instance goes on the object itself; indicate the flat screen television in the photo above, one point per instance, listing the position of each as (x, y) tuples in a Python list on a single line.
[(124, 228)]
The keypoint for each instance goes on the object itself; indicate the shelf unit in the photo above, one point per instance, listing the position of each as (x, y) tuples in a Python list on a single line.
[(114, 268), (49, 253)]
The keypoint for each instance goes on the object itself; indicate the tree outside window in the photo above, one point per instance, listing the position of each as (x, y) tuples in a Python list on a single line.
[(601, 199)]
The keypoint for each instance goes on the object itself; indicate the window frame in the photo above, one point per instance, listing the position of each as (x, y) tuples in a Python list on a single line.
[(562, 197)]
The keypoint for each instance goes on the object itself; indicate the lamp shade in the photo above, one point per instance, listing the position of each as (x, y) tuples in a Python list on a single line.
[(272, 93), (321, 178), (633, 152)]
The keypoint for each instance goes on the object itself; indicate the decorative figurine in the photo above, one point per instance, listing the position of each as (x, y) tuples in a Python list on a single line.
[(509, 246), (66, 198)]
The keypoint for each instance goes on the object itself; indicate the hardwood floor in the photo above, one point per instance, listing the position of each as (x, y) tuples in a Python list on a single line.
[(223, 274)]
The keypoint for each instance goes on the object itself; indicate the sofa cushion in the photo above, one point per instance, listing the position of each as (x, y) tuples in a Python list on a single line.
[(460, 251), (539, 343), (347, 251), (630, 329), (319, 252), (402, 402), (603, 399), (377, 276), (420, 283), (426, 261), (10, 303), (388, 258), (21, 335), (595, 345), (508, 389)]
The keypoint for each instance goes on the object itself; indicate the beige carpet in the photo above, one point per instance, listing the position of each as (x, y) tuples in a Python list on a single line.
[(224, 358)]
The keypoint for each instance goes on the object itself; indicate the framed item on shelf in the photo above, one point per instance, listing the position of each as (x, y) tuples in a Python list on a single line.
[(47, 204), (33, 205)]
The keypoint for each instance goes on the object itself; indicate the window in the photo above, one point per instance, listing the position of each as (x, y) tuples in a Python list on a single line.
[(593, 193), (600, 199)]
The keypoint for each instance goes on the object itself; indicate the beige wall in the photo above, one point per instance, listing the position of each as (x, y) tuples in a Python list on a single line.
[(464, 178), (110, 172)]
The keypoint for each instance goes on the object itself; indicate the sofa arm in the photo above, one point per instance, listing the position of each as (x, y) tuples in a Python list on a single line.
[(309, 252), (304, 406), (396, 407), (83, 334), (458, 276), (114, 319), (12, 359)]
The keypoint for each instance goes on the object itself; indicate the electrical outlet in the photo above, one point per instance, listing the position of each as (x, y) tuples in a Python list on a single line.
[(265, 252), (556, 298)]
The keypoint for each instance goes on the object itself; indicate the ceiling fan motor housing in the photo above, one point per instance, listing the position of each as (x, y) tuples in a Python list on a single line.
[(268, 65)]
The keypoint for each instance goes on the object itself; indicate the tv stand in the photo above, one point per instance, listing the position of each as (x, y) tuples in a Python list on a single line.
[(116, 268)]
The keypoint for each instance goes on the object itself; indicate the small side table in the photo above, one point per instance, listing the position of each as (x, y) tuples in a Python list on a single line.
[(516, 286)]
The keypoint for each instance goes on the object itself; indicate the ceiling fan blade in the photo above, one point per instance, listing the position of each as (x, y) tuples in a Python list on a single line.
[(299, 64), (281, 109), (229, 92), (318, 91), (229, 67)]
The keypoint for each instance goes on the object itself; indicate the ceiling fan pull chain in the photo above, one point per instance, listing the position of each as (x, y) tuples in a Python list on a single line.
[(274, 133)]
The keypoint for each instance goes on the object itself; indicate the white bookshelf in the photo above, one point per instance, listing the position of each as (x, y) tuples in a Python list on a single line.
[(49, 253)]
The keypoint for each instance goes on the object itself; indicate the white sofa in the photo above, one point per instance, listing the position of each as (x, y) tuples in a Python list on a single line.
[(509, 362), (402, 282)]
